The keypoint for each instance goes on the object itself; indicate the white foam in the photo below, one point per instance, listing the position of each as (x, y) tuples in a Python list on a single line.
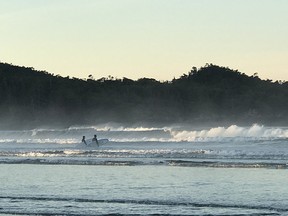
[(234, 131), (117, 133)]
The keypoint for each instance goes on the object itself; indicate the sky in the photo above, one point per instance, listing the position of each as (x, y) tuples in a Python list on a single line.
[(160, 39)]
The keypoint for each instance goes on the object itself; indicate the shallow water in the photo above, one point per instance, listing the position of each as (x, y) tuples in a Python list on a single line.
[(145, 171), (99, 190)]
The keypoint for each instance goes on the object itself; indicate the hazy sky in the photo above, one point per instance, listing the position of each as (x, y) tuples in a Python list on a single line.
[(160, 39)]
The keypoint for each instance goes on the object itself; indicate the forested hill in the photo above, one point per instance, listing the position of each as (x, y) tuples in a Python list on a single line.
[(209, 95)]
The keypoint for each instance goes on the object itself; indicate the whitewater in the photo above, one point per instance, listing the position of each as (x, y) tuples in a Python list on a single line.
[(172, 170)]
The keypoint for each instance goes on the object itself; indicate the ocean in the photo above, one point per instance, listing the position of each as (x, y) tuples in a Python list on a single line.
[(173, 170)]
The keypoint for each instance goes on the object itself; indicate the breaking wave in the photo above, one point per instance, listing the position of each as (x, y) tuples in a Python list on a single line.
[(73, 135), (234, 131)]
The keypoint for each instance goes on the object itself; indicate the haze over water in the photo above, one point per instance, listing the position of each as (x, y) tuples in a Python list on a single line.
[(145, 171)]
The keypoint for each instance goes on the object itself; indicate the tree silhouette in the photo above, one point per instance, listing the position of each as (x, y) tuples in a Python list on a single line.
[(208, 95)]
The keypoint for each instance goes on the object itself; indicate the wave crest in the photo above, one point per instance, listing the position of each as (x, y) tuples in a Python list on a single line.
[(254, 132), (74, 135)]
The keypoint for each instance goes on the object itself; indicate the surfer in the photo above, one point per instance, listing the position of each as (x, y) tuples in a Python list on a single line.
[(95, 139), (83, 140)]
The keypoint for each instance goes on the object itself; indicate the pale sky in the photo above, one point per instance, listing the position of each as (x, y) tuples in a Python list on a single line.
[(159, 39)]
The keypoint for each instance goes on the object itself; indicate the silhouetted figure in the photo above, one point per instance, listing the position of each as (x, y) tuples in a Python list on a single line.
[(83, 140), (95, 139)]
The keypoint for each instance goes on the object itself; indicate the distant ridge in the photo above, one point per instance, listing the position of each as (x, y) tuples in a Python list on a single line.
[(209, 95)]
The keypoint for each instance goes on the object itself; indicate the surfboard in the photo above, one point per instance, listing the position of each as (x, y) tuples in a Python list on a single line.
[(90, 143)]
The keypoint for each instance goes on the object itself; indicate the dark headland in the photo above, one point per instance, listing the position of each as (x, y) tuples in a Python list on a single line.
[(211, 95)]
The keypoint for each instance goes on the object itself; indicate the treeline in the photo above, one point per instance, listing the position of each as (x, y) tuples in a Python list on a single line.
[(208, 95)]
